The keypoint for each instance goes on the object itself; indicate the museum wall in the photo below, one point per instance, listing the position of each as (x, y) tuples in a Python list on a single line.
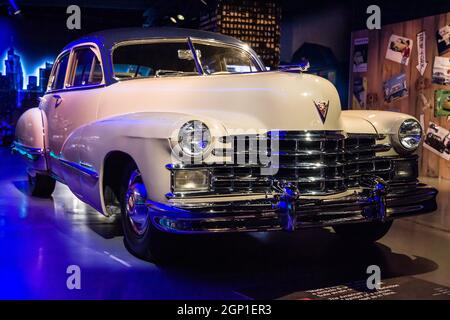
[(368, 84), (306, 28)]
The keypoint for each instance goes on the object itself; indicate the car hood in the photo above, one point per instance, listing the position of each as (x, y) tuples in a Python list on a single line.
[(267, 100)]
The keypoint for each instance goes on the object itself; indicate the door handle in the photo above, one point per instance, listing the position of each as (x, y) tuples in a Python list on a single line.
[(58, 100)]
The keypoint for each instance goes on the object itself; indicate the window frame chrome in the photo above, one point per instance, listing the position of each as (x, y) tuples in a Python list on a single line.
[(71, 68), (67, 87), (52, 73), (243, 47)]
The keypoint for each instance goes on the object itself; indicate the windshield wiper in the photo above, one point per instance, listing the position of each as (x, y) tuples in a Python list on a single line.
[(162, 73)]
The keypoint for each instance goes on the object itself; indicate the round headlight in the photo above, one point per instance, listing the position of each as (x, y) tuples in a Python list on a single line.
[(410, 135), (194, 138)]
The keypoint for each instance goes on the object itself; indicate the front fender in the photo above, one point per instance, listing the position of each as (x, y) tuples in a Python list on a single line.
[(384, 122), (142, 136)]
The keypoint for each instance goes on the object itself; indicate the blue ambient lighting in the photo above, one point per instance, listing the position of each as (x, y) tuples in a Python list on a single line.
[(14, 7), (26, 68)]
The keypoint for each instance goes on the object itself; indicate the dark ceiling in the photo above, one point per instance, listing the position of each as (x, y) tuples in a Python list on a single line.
[(161, 10)]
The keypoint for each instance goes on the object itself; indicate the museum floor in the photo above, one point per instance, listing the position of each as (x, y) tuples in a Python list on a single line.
[(40, 238)]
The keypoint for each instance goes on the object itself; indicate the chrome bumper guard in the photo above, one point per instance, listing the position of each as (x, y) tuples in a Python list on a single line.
[(374, 201)]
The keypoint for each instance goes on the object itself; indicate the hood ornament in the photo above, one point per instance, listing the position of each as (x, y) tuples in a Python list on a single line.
[(301, 67), (322, 108)]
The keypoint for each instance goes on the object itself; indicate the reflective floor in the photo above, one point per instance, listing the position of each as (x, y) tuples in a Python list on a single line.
[(40, 238)]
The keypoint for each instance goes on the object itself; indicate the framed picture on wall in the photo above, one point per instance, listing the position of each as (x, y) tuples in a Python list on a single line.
[(399, 49), (442, 103), (395, 88), (441, 71), (443, 39), (437, 140), (360, 49)]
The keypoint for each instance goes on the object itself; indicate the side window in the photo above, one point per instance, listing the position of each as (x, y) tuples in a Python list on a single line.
[(57, 79), (87, 69), (153, 60)]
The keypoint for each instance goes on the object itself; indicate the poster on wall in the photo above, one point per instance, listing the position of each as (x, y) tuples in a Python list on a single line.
[(359, 93), (399, 49), (421, 54), (441, 71), (360, 49), (443, 39), (395, 88), (437, 140), (442, 103)]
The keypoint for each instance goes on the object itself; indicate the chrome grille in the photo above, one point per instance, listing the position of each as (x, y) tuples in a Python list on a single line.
[(317, 163), (361, 158)]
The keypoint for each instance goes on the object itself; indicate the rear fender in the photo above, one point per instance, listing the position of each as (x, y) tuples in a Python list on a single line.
[(30, 139)]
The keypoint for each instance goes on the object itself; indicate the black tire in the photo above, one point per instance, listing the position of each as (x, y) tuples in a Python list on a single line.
[(150, 244), (41, 186), (363, 232)]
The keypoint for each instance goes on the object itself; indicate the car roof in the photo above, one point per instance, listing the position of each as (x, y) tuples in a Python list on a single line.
[(108, 38)]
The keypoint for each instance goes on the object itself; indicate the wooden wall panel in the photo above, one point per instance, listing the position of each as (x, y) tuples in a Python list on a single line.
[(380, 69)]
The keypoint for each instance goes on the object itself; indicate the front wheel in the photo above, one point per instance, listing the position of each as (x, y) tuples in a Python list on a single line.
[(41, 186), (140, 236), (363, 232)]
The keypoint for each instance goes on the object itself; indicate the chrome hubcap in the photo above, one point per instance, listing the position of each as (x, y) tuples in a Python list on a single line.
[(136, 209)]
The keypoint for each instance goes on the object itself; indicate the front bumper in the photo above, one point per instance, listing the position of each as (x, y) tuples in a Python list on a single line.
[(284, 212)]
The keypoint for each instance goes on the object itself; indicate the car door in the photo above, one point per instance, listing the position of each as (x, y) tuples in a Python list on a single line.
[(72, 106), (52, 100)]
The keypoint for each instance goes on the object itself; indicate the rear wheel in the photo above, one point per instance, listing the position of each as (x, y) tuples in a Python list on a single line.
[(140, 236), (363, 232), (41, 185)]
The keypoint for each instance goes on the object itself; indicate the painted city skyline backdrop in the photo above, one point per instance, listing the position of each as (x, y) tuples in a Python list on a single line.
[(32, 42), (26, 76)]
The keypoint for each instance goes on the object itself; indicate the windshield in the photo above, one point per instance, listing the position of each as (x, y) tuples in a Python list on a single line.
[(166, 59)]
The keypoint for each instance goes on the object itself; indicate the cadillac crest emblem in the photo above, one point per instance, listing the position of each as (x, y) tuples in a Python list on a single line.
[(322, 108)]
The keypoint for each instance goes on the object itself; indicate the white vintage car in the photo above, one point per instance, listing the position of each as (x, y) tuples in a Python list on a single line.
[(185, 132)]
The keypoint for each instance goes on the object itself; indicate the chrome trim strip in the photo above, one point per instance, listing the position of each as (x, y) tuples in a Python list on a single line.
[(198, 65), (180, 166), (82, 167), (291, 136), (30, 153), (204, 195), (376, 148), (219, 151)]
